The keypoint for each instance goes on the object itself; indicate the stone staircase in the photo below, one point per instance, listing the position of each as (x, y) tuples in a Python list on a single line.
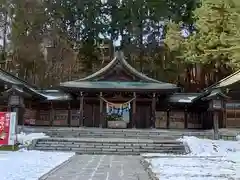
[(118, 146), (107, 133), (107, 141)]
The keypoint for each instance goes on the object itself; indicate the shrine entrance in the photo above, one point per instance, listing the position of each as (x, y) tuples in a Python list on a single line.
[(117, 92)]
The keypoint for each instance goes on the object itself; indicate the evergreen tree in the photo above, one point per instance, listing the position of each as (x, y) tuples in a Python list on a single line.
[(233, 38), (203, 48)]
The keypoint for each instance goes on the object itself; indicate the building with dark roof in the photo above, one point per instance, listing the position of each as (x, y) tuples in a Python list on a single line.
[(86, 101)]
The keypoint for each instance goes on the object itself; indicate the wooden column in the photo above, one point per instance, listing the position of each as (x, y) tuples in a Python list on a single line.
[(216, 124), (69, 114), (153, 117), (168, 120), (134, 111), (224, 116), (93, 115), (51, 114), (185, 118), (81, 123), (101, 110)]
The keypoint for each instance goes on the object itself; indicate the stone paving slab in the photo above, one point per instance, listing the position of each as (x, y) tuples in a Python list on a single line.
[(100, 167)]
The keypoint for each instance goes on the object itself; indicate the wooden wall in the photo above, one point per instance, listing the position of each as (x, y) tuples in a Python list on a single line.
[(232, 114), (177, 120), (61, 114), (68, 114)]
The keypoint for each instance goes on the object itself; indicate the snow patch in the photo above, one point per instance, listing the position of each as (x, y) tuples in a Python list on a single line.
[(29, 165), (238, 137), (208, 160), (26, 139), (207, 147)]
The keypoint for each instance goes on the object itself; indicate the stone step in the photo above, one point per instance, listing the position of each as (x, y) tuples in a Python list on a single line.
[(138, 136), (111, 140), (109, 146), (102, 146), (111, 135), (107, 151), (107, 133), (80, 132)]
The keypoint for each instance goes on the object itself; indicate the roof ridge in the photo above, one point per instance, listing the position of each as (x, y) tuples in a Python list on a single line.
[(17, 78), (119, 58), (100, 71), (222, 80), (134, 70)]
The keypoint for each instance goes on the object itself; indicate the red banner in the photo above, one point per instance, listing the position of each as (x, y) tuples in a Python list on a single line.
[(4, 128)]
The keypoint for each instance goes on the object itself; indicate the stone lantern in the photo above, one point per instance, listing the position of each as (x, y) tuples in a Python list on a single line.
[(15, 96), (216, 101)]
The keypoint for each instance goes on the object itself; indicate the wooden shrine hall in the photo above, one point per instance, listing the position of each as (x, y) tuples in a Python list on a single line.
[(116, 96), (116, 84)]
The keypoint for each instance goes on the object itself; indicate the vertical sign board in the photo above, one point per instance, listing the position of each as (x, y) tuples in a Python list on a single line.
[(12, 130), (7, 128)]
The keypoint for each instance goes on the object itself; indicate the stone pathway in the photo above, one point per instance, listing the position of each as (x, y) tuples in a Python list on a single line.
[(99, 167)]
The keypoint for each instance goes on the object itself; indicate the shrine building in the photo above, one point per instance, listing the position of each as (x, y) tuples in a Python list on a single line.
[(119, 96)]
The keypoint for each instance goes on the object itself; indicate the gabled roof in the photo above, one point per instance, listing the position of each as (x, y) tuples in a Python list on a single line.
[(12, 79), (227, 81), (18, 83), (118, 63), (118, 60), (17, 90), (26, 89), (214, 93)]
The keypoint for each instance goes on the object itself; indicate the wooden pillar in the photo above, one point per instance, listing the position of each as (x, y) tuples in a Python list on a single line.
[(168, 120), (224, 119), (153, 117), (69, 114), (185, 117), (224, 116), (93, 115), (81, 123), (134, 111), (52, 115), (199, 114), (30, 105), (216, 125), (101, 110), (31, 114)]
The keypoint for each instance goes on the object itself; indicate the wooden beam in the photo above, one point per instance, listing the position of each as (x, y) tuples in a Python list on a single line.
[(117, 100)]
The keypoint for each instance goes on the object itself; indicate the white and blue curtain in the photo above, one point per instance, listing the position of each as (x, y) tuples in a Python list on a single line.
[(122, 110)]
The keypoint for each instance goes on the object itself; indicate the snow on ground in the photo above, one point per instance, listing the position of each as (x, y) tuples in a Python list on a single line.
[(208, 160), (29, 165)]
